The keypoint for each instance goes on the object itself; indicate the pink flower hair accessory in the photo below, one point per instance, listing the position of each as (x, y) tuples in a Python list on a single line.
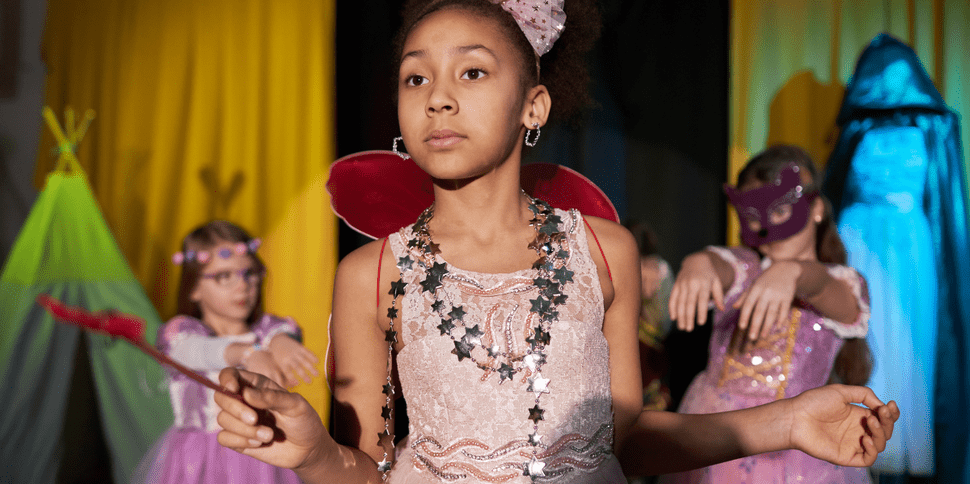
[(542, 21), (203, 257)]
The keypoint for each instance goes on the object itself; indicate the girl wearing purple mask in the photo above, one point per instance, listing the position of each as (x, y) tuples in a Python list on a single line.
[(787, 310)]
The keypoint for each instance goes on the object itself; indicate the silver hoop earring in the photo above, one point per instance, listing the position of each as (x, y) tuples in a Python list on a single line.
[(535, 126), (403, 155)]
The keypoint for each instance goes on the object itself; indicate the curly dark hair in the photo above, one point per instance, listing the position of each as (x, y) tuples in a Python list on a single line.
[(562, 70)]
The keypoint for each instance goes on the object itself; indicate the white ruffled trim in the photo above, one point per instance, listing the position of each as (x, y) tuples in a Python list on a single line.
[(860, 326), (740, 274)]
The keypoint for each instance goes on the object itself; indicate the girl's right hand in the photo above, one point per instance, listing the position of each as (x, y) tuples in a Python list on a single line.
[(286, 432), (262, 362), (697, 282), (293, 359)]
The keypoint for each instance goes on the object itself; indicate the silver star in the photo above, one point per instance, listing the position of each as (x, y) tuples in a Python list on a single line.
[(405, 263), (473, 335), (535, 468), (530, 361), (505, 372), (493, 351), (462, 350), (384, 465), (538, 384), (390, 336), (534, 438), (385, 439)]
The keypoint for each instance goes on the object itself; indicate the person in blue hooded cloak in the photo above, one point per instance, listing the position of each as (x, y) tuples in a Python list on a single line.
[(898, 188)]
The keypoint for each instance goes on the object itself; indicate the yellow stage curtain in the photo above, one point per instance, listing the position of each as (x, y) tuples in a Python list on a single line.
[(215, 109), (791, 60)]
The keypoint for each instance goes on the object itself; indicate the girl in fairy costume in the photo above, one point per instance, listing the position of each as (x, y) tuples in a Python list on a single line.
[(511, 325), (220, 323), (788, 311)]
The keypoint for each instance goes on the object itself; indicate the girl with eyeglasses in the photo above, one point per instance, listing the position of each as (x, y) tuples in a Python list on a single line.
[(220, 323)]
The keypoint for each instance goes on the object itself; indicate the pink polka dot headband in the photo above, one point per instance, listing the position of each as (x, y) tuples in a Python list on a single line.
[(204, 256), (542, 21)]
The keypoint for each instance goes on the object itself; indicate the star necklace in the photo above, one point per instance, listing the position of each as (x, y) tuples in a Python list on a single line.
[(551, 276)]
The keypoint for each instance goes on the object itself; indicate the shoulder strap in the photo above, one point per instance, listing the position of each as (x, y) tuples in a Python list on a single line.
[(605, 262), (380, 259)]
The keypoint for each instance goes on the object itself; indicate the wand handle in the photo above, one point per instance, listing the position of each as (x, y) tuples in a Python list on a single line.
[(166, 360)]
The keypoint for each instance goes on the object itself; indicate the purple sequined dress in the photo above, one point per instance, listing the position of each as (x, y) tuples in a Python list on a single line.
[(188, 453), (795, 357)]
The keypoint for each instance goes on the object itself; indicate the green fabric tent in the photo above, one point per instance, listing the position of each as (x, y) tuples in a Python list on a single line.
[(66, 250)]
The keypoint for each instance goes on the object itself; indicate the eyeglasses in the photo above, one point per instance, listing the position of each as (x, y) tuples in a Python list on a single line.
[(251, 275)]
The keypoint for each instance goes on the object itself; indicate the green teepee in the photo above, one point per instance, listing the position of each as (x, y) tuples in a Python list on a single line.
[(65, 249)]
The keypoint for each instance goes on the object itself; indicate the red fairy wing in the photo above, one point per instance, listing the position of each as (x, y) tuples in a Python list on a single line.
[(566, 189), (378, 192)]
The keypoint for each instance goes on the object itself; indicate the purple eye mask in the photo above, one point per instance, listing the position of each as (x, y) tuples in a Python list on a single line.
[(757, 204)]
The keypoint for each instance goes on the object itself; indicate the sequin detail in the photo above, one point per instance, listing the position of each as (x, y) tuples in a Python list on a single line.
[(771, 365)]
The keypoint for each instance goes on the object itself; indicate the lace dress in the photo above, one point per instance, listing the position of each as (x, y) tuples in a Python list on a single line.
[(792, 358), (467, 427)]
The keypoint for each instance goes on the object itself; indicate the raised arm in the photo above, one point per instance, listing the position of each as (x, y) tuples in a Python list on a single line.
[(833, 297), (769, 298), (703, 276), (300, 441)]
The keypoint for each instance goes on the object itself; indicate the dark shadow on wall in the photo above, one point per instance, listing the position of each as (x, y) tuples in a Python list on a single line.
[(812, 129), (10, 38)]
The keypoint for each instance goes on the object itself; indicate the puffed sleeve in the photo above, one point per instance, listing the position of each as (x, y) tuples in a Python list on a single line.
[(857, 284), (746, 265), (270, 325)]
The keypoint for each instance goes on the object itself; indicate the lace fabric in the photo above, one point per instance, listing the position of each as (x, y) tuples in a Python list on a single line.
[(466, 426)]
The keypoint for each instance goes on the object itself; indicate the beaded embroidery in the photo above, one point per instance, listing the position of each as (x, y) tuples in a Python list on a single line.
[(779, 345)]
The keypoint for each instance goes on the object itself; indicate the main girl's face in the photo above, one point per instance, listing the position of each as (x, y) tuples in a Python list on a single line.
[(461, 105), (228, 288), (801, 245)]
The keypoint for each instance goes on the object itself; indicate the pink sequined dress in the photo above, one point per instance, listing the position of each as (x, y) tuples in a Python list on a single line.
[(795, 357), (467, 427), (188, 453)]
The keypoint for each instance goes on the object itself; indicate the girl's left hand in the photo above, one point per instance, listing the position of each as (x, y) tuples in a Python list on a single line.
[(294, 359), (828, 423), (768, 300)]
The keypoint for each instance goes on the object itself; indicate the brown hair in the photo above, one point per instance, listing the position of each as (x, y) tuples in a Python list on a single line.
[(645, 236), (203, 238), (562, 70), (853, 364)]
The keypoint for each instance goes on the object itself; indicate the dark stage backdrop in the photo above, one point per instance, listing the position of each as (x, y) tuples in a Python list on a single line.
[(656, 142)]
